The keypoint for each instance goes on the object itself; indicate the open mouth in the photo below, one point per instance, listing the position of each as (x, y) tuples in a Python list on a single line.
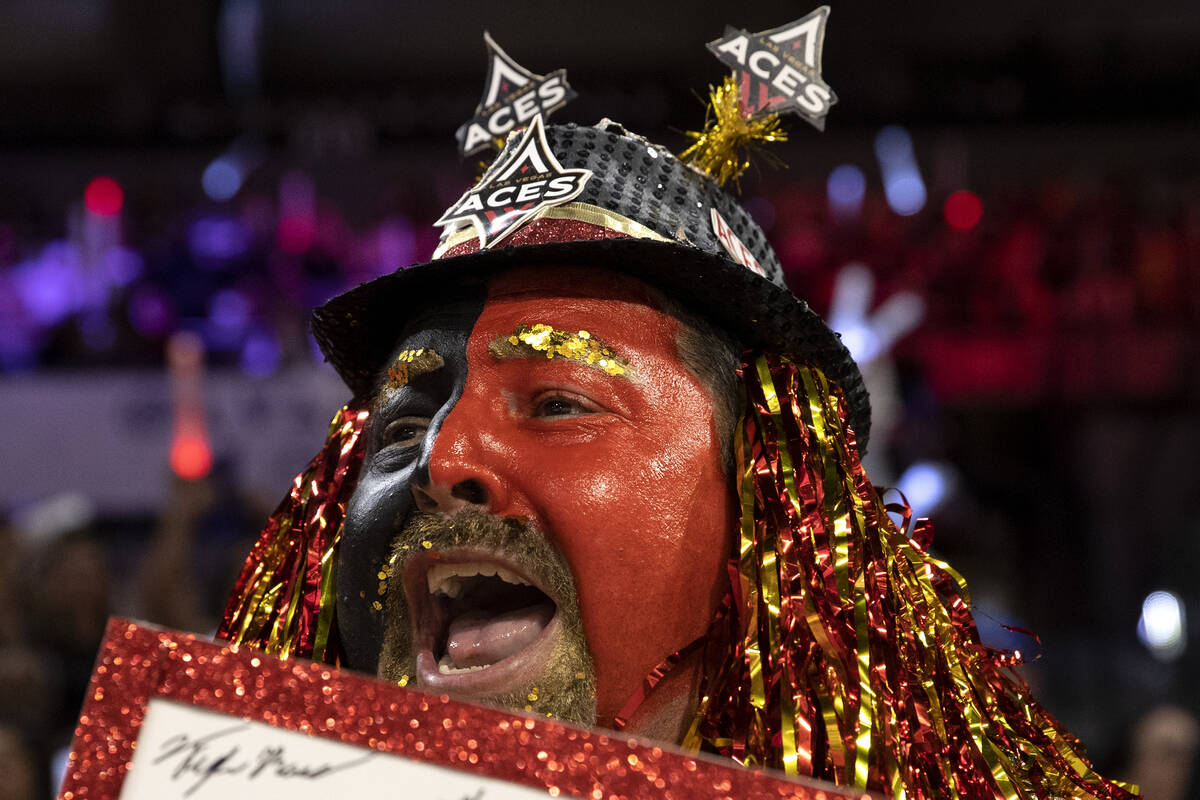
[(481, 625)]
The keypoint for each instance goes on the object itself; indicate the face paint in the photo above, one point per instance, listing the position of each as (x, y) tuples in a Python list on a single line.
[(382, 500), (623, 474), (537, 340), (411, 364)]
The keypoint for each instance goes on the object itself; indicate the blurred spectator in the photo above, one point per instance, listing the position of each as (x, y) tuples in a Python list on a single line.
[(19, 774), (1164, 746)]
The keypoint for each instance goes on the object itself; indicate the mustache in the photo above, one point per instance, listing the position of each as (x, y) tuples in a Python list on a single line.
[(566, 689), (514, 538)]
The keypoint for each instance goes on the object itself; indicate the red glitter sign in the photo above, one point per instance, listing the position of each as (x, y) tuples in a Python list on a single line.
[(168, 715)]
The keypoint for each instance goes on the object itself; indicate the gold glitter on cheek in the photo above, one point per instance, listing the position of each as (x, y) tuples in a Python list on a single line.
[(543, 340)]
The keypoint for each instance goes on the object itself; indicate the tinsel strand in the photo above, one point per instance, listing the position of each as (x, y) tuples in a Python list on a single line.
[(283, 600), (721, 149), (855, 657)]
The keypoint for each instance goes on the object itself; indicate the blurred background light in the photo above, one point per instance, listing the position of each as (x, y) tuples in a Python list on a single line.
[(905, 191), (122, 266), (927, 485), (893, 145), (1162, 625), (963, 210), (97, 330), (221, 179), (149, 311), (191, 457), (50, 285), (903, 187), (228, 319), (396, 244), (297, 213), (869, 335), (214, 239), (296, 234), (845, 189), (103, 196), (260, 354)]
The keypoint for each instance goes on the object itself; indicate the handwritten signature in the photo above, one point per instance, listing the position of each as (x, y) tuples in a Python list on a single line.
[(201, 759)]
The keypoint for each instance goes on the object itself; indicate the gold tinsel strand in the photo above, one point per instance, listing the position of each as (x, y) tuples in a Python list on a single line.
[(721, 148)]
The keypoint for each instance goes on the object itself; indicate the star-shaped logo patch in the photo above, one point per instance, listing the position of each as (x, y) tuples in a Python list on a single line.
[(525, 179), (779, 70), (512, 97)]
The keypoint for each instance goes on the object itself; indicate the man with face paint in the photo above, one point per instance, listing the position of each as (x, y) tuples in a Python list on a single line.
[(596, 483), (602, 465)]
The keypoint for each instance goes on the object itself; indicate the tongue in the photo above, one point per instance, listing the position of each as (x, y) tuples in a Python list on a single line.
[(476, 639)]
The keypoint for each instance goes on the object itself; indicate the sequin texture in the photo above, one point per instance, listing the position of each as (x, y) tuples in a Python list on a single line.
[(541, 339), (137, 663)]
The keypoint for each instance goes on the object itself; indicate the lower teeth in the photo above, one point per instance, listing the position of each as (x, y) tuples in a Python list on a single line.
[(447, 668)]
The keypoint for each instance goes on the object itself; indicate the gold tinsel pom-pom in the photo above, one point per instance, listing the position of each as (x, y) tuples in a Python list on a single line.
[(721, 149)]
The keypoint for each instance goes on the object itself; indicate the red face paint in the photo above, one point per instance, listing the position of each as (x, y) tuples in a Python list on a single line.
[(623, 472)]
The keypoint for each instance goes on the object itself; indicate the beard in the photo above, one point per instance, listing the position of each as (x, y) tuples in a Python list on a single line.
[(566, 687)]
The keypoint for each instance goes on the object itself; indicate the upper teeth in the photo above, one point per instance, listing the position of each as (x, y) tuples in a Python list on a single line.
[(447, 578)]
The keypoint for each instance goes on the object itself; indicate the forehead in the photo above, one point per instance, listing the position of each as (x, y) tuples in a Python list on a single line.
[(617, 306)]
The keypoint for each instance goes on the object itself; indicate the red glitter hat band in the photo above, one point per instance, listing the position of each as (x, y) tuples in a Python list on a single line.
[(573, 222)]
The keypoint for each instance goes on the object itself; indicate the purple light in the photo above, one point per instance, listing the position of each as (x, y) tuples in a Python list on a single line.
[(260, 354), (97, 330), (902, 184), (122, 266), (149, 312), (846, 188), (905, 192), (49, 286), (221, 179), (396, 244), (214, 240), (893, 144), (17, 334), (229, 310)]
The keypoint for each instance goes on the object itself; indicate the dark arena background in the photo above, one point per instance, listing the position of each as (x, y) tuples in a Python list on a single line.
[(1002, 218)]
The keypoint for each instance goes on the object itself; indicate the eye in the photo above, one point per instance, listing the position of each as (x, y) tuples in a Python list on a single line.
[(405, 431), (559, 404)]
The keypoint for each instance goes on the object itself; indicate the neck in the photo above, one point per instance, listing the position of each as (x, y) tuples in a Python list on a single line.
[(667, 710)]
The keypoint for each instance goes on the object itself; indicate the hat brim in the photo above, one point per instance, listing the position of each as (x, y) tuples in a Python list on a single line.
[(358, 329)]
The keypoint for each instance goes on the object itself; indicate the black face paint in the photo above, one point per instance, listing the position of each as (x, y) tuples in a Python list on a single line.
[(383, 499)]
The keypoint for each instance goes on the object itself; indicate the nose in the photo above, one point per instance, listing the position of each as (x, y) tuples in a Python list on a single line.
[(435, 497), (461, 464)]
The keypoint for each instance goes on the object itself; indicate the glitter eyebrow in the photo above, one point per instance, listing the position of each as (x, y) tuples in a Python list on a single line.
[(410, 364), (538, 340)]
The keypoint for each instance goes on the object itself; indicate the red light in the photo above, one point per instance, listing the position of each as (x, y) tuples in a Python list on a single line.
[(103, 196), (191, 457), (296, 235), (963, 210)]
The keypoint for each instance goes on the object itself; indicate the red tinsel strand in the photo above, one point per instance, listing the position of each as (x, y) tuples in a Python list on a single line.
[(283, 600)]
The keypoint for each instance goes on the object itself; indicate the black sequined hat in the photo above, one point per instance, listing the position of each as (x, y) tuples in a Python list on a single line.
[(642, 212)]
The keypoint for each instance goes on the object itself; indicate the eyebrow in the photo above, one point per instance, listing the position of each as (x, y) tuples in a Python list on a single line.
[(410, 364), (539, 340)]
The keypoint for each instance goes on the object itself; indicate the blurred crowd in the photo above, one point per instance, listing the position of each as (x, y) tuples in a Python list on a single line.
[(1041, 268), (67, 569)]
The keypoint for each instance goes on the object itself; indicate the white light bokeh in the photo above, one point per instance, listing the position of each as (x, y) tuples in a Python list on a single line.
[(1162, 627)]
